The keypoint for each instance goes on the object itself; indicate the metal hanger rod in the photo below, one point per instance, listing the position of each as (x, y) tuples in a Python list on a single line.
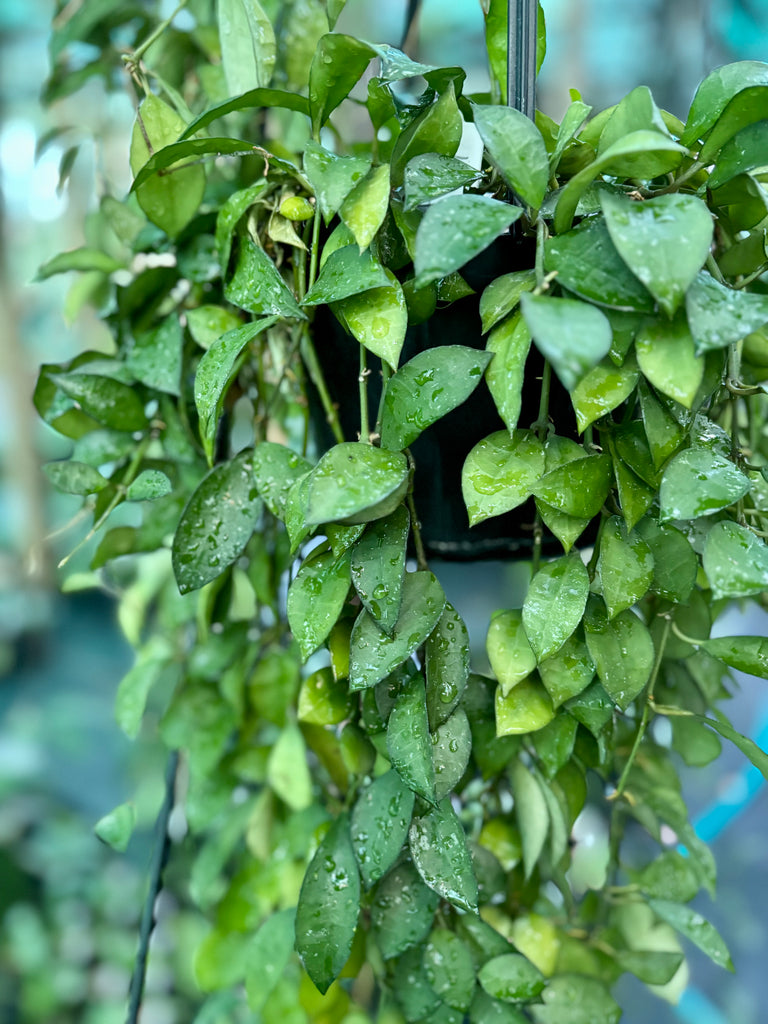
[(521, 56)]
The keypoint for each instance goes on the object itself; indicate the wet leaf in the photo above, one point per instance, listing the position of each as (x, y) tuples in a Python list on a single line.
[(694, 927), (378, 567), (555, 603), (346, 272), (700, 482), (568, 671), (364, 208), (602, 390), (257, 285), (156, 356), (275, 470), (455, 229), (316, 597), (378, 319), (509, 652), (743, 153), (531, 813), (486, 1010), (719, 316), (578, 487), (665, 352), (323, 700), (716, 91), (149, 485), (329, 904), (355, 483), (287, 770), (414, 993), (115, 829), (675, 564), (430, 176), (745, 653), (449, 968), (451, 747), (439, 851), (426, 388), (517, 149), (216, 524), (402, 910), (373, 654), (512, 978), (447, 666), (651, 967), (379, 826), (746, 107), (500, 473), (338, 63), (332, 177), (748, 747), (408, 741), (622, 650), (670, 877), (735, 561), (526, 708), (248, 47), (625, 566), (75, 477), (269, 954), (572, 335), (509, 342), (554, 745), (108, 401), (502, 295), (437, 129), (576, 999)]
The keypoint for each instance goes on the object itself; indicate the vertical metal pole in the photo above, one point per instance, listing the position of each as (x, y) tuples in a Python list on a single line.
[(522, 16)]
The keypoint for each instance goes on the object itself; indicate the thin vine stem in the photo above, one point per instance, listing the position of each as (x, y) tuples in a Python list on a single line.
[(386, 373), (362, 380), (132, 59)]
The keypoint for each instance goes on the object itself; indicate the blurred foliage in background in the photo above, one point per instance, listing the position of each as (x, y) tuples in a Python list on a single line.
[(69, 907)]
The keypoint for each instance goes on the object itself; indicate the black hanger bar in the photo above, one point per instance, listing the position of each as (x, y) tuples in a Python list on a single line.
[(522, 18)]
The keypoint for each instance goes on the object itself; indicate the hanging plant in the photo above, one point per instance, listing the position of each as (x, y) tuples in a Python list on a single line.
[(292, 261)]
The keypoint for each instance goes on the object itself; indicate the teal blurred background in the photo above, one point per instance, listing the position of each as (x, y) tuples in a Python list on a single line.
[(69, 907)]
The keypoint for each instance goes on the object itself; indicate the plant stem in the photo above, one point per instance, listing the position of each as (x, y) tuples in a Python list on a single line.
[(386, 373), (138, 53), (714, 269), (159, 858), (418, 543), (675, 184), (362, 380), (541, 234)]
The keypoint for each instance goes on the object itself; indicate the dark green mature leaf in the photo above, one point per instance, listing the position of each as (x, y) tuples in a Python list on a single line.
[(426, 388), (449, 968), (85, 258), (338, 63), (408, 740), (568, 671), (503, 294), (555, 603), (75, 477), (572, 335), (625, 566), (275, 470), (637, 112), (437, 129), (356, 483), (451, 747), (664, 432), (108, 401), (486, 1010), (509, 343), (675, 564), (148, 486), (576, 999), (651, 967), (439, 851), (666, 354), (517, 149), (346, 272), (332, 177), (745, 152), (603, 389), (670, 877), (748, 747), (719, 315), (402, 910), (745, 653), (215, 373), (735, 561), (329, 904), (554, 745), (315, 599), (414, 993), (216, 524), (700, 482), (509, 651), (694, 927), (455, 229), (447, 666), (251, 100), (156, 356), (526, 708), (379, 825), (378, 319), (257, 285), (747, 107), (512, 978), (716, 91), (531, 813), (269, 953), (622, 650), (579, 487), (373, 654), (430, 176), (573, 119), (378, 567), (500, 473), (248, 49)]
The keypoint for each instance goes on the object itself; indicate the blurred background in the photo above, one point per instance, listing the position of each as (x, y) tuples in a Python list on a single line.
[(69, 907)]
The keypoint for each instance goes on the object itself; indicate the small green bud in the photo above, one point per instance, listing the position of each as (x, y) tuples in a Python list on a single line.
[(297, 208)]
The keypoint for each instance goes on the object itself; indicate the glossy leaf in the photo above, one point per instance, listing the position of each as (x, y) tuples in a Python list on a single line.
[(666, 355), (654, 968), (554, 604), (578, 487), (156, 356), (415, 995), (439, 850), (694, 927), (716, 91), (572, 335), (743, 153), (576, 999), (745, 653), (664, 433), (379, 825), (512, 978), (526, 708), (378, 567), (287, 769), (257, 285), (486, 1010), (747, 107), (700, 482), (373, 654), (108, 401), (74, 477), (568, 671), (149, 485), (718, 315), (254, 99), (323, 700), (502, 295), (635, 496), (338, 63), (509, 342), (216, 524), (625, 566), (517, 149), (509, 652), (592, 708), (346, 272), (622, 650), (426, 388), (554, 746), (316, 597), (408, 740), (364, 208), (500, 473), (332, 177), (637, 112), (269, 953), (437, 129), (356, 483), (735, 561), (531, 813), (275, 470), (248, 48), (402, 910), (430, 176), (451, 747), (748, 747), (447, 666), (455, 229), (378, 319), (329, 904), (449, 968), (675, 564), (573, 119), (602, 390)]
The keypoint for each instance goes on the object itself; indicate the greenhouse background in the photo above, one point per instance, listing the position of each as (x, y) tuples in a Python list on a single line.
[(69, 907)]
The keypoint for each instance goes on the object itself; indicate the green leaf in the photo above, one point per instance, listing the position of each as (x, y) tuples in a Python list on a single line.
[(132, 693), (579, 487), (287, 770), (75, 477), (378, 567), (156, 356), (696, 744), (573, 119), (675, 564), (430, 176), (517, 149), (408, 740), (509, 652), (512, 978), (254, 99), (531, 813), (635, 497), (503, 294), (602, 390), (115, 829), (576, 999), (622, 650), (747, 107), (439, 851), (346, 272), (745, 152), (426, 388), (332, 177), (637, 112), (671, 876), (248, 48), (735, 561), (449, 968), (716, 91), (379, 825), (455, 229), (649, 236), (329, 904), (402, 910), (316, 597), (170, 201), (269, 953), (745, 653), (378, 319), (666, 355), (373, 654), (108, 401), (572, 335), (356, 483), (338, 63), (719, 316), (663, 431), (216, 524), (568, 671), (447, 666), (625, 566), (587, 263), (526, 708), (275, 470), (592, 709), (451, 747), (437, 130), (700, 482), (323, 700), (747, 746), (554, 746), (257, 285), (500, 473), (485, 1010), (415, 996), (215, 372), (509, 342), (149, 485), (365, 207), (651, 967), (83, 259), (694, 927)]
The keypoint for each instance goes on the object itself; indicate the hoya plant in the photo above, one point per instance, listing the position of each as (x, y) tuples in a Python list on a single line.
[(341, 351)]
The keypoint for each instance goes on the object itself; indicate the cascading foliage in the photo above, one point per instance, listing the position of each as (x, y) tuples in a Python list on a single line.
[(400, 822)]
